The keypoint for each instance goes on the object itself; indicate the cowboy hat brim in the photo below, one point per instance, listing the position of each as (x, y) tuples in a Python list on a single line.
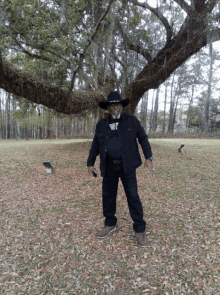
[(103, 104)]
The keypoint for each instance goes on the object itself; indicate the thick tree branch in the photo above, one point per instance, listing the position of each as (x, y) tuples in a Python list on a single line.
[(136, 48), (40, 92), (119, 61), (157, 12), (198, 5), (188, 9), (210, 5)]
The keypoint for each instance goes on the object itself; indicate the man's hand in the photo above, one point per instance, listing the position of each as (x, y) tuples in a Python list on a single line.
[(90, 169), (149, 164)]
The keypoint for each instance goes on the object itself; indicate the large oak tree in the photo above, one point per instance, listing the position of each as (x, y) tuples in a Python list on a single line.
[(53, 44)]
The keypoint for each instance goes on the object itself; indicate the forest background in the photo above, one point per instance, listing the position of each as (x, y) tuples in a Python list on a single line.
[(89, 47)]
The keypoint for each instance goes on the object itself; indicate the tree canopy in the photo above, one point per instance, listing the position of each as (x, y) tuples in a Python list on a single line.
[(68, 54)]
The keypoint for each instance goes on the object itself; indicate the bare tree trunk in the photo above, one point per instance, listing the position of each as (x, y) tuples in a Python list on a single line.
[(84, 125), (56, 125), (209, 92), (146, 110), (77, 130), (151, 115), (156, 110), (181, 118), (177, 95), (18, 130), (49, 120), (174, 115), (94, 121), (74, 125), (188, 120), (1, 114), (4, 118), (26, 132), (165, 104), (171, 108), (175, 110), (70, 128), (63, 127), (40, 128), (14, 121), (144, 106), (8, 129)]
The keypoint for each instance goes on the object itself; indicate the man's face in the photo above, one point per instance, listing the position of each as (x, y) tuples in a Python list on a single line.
[(115, 110)]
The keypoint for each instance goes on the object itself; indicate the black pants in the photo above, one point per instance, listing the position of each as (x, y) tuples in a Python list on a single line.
[(109, 193)]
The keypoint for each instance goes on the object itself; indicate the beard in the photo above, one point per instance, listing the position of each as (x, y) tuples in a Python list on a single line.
[(116, 115)]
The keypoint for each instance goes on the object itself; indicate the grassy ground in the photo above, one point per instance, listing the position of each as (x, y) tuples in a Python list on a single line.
[(49, 222)]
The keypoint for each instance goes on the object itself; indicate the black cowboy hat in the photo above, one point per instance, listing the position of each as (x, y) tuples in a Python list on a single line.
[(113, 97)]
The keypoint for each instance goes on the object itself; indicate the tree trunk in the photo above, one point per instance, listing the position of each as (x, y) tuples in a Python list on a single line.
[(94, 121), (164, 113), (177, 95), (156, 111), (40, 128), (188, 120), (8, 129), (70, 123), (26, 132), (14, 122), (171, 108), (49, 120), (209, 93), (56, 125), (84, 125), (77, 129), (18, 130), (144, 106), (151, 114), (174, 115), (1, 114)]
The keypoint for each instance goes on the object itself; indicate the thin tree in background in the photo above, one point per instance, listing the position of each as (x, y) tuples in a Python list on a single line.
[(1, 112), (151, 114), (155, 113), (8, 127), (144, 108), (188, 120), (209, 92), (178, 92), (171, 105), (165, 104)]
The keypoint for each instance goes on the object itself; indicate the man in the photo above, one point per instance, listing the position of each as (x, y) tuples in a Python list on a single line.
[(115, 141)]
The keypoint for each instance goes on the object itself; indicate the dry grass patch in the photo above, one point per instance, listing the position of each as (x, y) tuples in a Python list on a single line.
[(49, 223)]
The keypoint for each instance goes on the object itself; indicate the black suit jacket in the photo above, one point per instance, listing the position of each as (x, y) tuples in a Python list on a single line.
[(129, 128)]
